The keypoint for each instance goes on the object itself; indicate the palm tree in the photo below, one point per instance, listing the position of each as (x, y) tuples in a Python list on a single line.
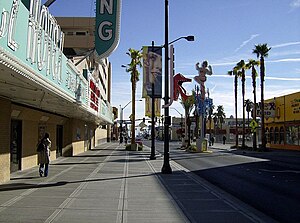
[(215, 118), (235, 73), (251, 65), (261, 51), (188, 106), (241, 73), (210, 113), (196, 113), (132, 68), (249, 106), (220, 114)]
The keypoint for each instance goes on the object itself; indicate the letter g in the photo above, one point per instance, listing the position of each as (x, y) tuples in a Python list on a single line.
[(102, 31)]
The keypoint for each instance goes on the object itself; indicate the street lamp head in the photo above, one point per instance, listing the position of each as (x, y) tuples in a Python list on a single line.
[(190, 38), (129, 103)]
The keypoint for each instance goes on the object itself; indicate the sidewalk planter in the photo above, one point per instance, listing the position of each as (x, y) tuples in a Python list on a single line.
[(192, 148), (202, 144), (67, 151)]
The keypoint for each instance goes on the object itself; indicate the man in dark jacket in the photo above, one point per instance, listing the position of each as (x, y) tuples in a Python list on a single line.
[(44, 156)]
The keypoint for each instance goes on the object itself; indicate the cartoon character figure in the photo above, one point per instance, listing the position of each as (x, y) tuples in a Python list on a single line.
[(201, 78)]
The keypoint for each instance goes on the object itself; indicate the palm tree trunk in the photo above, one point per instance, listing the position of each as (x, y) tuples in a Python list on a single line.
[(189, 131), (133, 112), (186, 129), (235, 104), (248, 123), (209, 129), (262, 79), (254, 106), (243, 98)]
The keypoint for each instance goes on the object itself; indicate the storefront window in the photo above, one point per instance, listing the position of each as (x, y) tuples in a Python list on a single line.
[(271, 135), (292, 135), (267, 133), (281, 135), (276, 135)]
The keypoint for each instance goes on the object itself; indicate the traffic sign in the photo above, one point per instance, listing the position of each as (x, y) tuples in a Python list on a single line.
[(253, 124)]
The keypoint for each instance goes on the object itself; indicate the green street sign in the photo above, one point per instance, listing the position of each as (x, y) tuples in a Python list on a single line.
[(107, 30)]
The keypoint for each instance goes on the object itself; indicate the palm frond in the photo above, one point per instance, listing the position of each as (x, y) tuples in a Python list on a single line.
[(136, 61), (261, 50)]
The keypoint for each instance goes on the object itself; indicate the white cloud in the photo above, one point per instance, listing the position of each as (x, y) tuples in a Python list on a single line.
[(233, 63), (249, 77), (295, 4), (246, 41), (224, 64), (285, 53), (286, 44), (283, 78), (284, 60)]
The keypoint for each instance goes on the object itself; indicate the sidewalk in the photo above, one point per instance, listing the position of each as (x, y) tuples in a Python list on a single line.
[(109, 184), (218, 145)]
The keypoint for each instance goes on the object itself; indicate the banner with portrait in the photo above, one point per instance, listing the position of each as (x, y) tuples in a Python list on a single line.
[(152, 71), (148, 106)]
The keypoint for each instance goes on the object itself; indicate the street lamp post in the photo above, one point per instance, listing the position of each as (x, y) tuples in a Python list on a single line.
[(166, 168), (121, 124)]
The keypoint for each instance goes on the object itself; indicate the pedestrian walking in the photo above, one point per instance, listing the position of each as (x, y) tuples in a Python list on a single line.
[(212, 140), (224, 139), (44, 155)]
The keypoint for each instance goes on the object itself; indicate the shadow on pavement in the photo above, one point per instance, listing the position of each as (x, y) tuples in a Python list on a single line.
[(67, 164), (22, 186)]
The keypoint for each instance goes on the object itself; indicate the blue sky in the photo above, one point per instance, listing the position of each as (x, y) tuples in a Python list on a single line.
[(225, 32)]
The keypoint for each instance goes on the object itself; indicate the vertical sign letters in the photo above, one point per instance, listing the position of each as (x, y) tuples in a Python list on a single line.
[(107, 30)]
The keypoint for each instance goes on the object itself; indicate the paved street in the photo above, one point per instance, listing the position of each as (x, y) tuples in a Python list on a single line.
[(109, 184), (267, 181)]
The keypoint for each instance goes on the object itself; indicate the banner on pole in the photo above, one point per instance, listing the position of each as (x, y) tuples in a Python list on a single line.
[(148, 106), (152, 71)]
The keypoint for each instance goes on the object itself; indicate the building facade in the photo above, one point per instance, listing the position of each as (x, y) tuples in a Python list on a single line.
[(45, 88), (283, 128)]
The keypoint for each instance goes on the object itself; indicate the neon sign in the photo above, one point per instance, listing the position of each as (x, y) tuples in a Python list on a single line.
[(45, 39), (94, 96), (107, 33)]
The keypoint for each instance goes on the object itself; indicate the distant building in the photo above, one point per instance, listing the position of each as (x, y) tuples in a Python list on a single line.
[(282, 125), (177, 128), (230, 128)]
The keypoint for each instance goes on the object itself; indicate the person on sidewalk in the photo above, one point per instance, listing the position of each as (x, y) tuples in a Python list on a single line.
[(44, 155), (212, 140), (224, 139)]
